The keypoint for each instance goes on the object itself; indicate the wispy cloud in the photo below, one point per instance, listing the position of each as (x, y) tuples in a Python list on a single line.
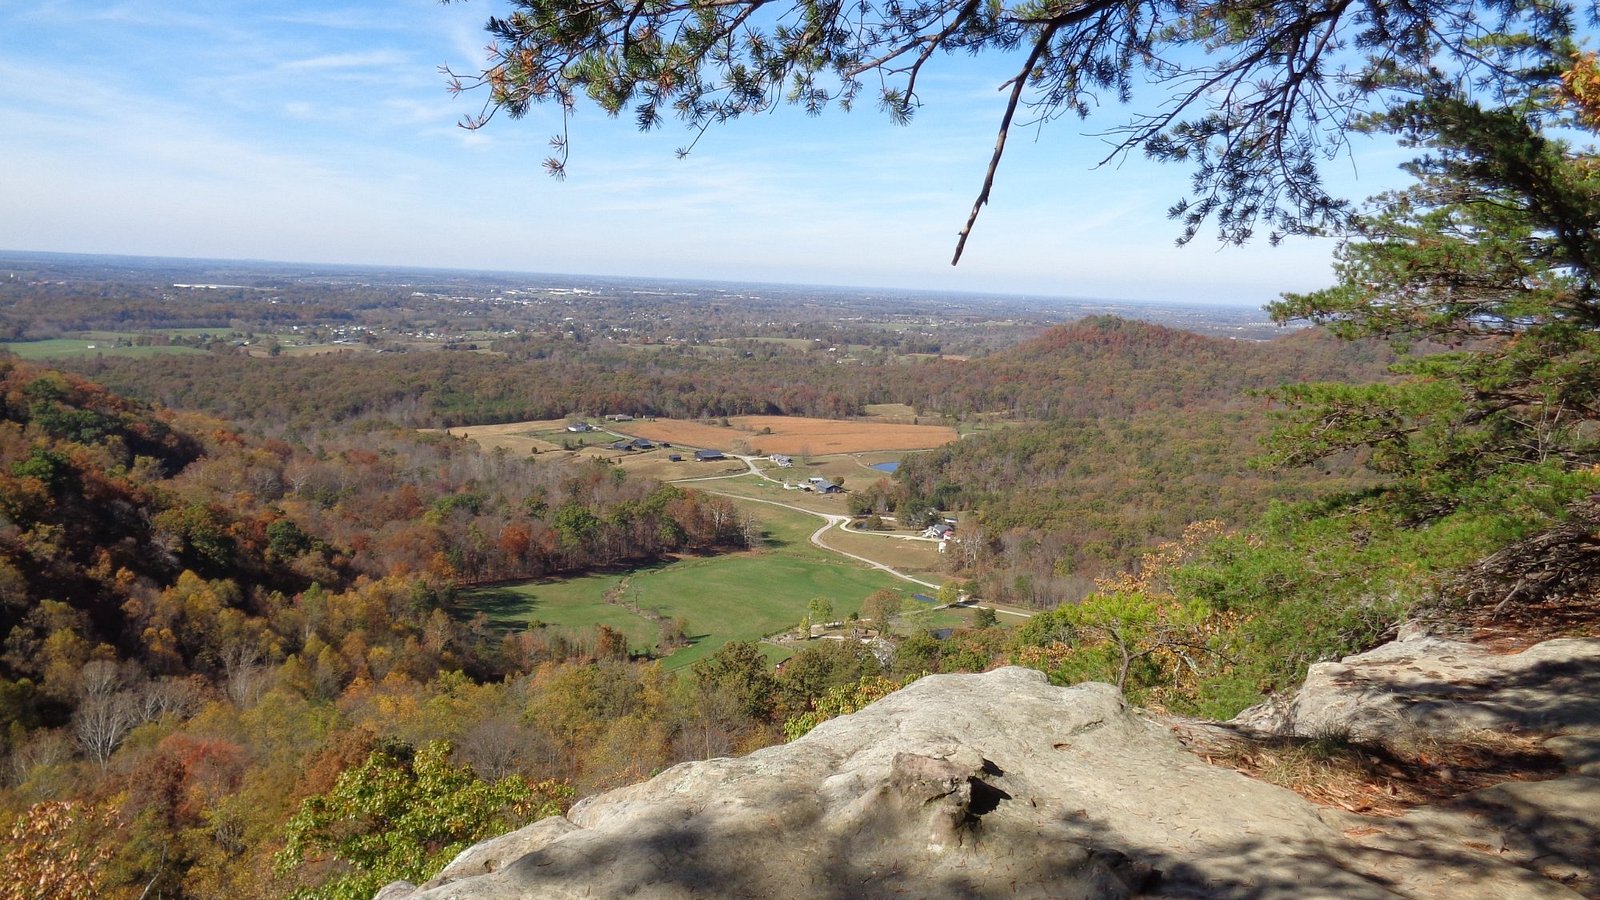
[(320, 130), (343, 61)]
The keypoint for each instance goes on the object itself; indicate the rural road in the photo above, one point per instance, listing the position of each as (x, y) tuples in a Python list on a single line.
[(748, 461), (831, 520)]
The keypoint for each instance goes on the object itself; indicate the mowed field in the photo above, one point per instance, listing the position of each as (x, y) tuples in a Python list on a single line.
[(58, 347), (737, 596), (796, 435), (521, 438)]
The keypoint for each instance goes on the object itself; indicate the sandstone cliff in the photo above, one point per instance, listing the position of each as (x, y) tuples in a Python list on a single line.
[(1001, 785)]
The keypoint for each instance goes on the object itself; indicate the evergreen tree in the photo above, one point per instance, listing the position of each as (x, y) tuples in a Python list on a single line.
[(1252, 94), (1491, 257)]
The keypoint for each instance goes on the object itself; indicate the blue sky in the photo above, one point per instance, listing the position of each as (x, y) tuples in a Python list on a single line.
[(322, 132)]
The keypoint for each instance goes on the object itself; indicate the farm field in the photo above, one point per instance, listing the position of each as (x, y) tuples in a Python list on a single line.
[(890, 411), (325, 349), (831, 504), (551, 436), (796, 435), (742, 596), (913, 557), (58, 347), (576, 602), (521, 438)]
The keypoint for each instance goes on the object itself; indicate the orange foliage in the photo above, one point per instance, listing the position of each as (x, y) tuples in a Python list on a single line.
[(1581, 84), (56, 850)]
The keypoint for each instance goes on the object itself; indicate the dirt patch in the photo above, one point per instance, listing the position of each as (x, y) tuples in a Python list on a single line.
[(796, 435), (1521, 625), (1371, 779)]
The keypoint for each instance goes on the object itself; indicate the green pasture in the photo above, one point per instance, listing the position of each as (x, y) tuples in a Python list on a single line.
[(748, 596), (737, 596), (566, 602), (59, 347), (221, 332), (799, 343)]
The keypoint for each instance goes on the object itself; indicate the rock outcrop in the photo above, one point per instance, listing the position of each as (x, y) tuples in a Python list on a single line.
[(1443, 690), (1001, 785), (1423, 689)]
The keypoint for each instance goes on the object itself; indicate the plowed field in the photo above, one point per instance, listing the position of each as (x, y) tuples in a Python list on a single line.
[(794, 435)]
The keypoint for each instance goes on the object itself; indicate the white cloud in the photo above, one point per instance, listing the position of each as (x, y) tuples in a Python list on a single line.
[(376, 59)]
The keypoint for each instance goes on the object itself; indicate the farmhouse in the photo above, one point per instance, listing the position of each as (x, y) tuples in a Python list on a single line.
[(940, 531), (708, 455), (783, 462), (822, 485)]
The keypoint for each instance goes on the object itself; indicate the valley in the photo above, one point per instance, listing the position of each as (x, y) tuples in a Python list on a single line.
[(552, 535)]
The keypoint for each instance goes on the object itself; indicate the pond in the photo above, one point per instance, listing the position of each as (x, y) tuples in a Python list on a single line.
[(885, 466)]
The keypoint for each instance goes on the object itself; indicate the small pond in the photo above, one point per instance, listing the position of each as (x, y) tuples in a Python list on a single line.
[(886, 466)]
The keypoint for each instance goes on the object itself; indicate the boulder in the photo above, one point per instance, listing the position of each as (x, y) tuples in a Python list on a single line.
[(968, 786), (1426, 688)]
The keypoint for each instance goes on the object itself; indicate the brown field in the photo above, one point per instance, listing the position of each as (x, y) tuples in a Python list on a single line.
[(920, 558), (796, 435), (691, 434), (324, 350), (521, 438)]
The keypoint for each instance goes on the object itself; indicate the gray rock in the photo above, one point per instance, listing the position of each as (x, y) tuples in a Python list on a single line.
[(1431, 689), (1549, 828), (972, 786)]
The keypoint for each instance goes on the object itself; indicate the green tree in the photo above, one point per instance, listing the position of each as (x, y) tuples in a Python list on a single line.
[(821, 666), (1133, 640), (1252, 94), (1492, 254), (404, 813), (820, 609), (842, 701), (577, 526), (882, 606), (739, 669)]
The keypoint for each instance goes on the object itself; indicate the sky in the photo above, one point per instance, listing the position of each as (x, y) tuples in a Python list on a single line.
[(323, 132)]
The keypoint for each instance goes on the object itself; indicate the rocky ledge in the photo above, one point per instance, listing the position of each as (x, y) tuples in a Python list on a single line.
[(1001, 785)]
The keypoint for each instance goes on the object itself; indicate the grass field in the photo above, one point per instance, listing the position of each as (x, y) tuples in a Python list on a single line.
[(914, 557), (521, 438), (740, 596), (325, 349), (765, 490), (569, 602), (551, 436), (58, 347)]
